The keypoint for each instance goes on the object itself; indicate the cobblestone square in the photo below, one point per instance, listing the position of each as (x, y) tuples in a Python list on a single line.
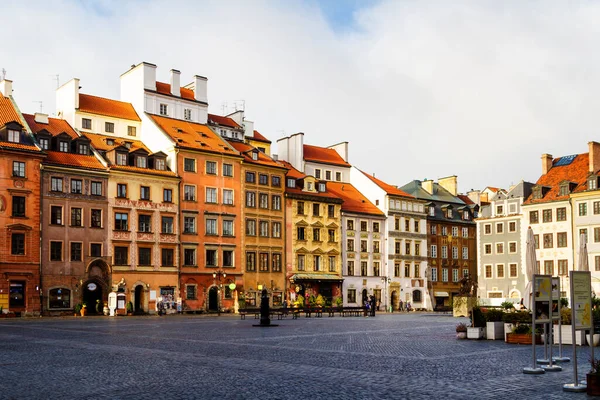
[(397, 356)]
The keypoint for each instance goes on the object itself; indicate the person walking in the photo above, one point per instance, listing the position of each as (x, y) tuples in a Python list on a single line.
[(401, 306), (373, 304)]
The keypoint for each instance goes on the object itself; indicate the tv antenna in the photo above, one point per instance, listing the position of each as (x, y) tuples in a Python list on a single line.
[(56, 78), (41, 105), (3, 73), (224, 108), (243, 103)]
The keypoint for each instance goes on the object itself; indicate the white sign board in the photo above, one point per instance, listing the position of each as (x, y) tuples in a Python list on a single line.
[(581, 297), (542, 289)]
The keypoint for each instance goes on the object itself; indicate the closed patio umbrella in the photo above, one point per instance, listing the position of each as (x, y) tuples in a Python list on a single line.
[(530, 264), (582, 264)]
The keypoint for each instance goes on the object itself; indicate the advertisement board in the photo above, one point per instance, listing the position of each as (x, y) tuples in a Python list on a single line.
[(542, 289)]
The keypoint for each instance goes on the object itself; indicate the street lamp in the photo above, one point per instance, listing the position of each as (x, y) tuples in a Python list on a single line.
[(217, 276), (385, 280)]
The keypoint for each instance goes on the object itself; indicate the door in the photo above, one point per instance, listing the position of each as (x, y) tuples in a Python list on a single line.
[(92, 297), (213, 299), (17, 295), (394, 300), (137, 306)]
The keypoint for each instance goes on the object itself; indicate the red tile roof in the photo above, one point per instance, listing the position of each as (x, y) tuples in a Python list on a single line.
[(258, 137), (223, 121), (108, 107), (99, 142), (8, 112), (292, 172), (246, 149), (389, 189), (54, 126), (295, 174), (192, 135), (466, 198), (493, 189), (74, 160), (323, 155), (577, 172), (19, 146), (129, 168), (354, 201), (165, 88)]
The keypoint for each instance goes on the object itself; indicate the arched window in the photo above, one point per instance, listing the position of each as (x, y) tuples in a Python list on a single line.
[(416, 296), (59, 298)]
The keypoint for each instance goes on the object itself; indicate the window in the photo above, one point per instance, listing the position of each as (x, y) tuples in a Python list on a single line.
[(19, 169), (76, 186), (276, 202), (189, 193), (350, 244), (121, 158), (338, 176), (454, 252), (301, 233), (109, 127), (56, 249), (263, 262), (76, 251), (121, 256), (350, 225), (363, 246), (561, 238), (499, 248), (141, 162), (407, 270), (318, 173), (189, 257), (144, 193), (187, 114), (263, 179), (445, 230), (56, 184), (512, 247), (163, 110), (465, 232), (96, 218), (512, 226), (131, 131), (444, 251), (561, 214), (86, 123), (597, 263), (227, 170), (276, 181), (227, 228), (263, 200), (434, 274), (211, 258), (512, 268), (406, 225), (121, 190), (548, 241), (76, 217), (364, 268), (562, 267), (250, 199), (121, 221), (189, 165), (251, 227), (487, 248), (211, 195), (546, 215), (167, 195), (487, 229), (300, 208), (250, 261), (144, 256), (499, 227), (211, 168), (166, 225), (331, 211), (327, 175), (444, 274), (455, 275), (250, 177), (56, 215), (227, 196), (276, 231), (533, 217), (500, 271), (432, 211), (228, 258), (166, 258), (96, 188), (488, 271), (83, 149), (211, 226), (144, 223), (316, 234), (433, 229), (363, 226), (499, 210), (465, 253), (44, 143), (316, 209), (549, 267), (301, 262), (18, 206), (14, 136), (433, 251), (582, 209), (96, 249), (59, 298), (17, 244), (536, 239), (583, 232), (331, 234)]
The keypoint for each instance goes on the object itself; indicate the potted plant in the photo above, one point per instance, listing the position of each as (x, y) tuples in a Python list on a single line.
[(339, 302), (494, 326), (77, 309), (507, 306), (521, 334), (83, 310), (593, 378), (461, 331), (299, 303), (596, 322), (320, 301), (477, 328)]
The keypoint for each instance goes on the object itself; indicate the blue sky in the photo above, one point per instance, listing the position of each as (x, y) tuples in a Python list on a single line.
[(340, 13)]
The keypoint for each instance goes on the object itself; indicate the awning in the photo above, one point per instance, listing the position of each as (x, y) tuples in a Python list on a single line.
[(315, 277), (441, 294)]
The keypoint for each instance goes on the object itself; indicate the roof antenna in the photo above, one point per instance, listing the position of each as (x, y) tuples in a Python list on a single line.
[(3, 74), (56, 78), (224, 108), (41, 105)]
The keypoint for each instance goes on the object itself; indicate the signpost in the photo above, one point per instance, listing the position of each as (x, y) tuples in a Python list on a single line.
[(541, 313), (554, 314)]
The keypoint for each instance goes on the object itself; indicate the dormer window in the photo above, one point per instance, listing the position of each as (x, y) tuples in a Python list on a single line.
[(127, 144), (537, 192), (44, 143), (291, 183), (63, 146), (449, 213), (431, 211), (121, 158), (255, 155), (309, 186), (159, 164), (83, 149), (14, 136), (593, 182), (465, 215), (140, 162), (321, 187), (110, 142)]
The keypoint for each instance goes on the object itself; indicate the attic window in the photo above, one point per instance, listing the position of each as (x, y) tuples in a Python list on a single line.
[(563, 190), (140, 162), (537, 191), (593, 183), (127, 144), (121, 158), (63, 146), (291, 183), (321, 187), (14, 136), (204, 135), (159, 164), (110, 142), (431, 211), (449, 213), (255, 155)]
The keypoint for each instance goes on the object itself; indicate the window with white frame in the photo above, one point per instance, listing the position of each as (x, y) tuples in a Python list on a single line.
[(465, 232), (434, 274), (211, 195), (211, 226), (455, 231), (444, 274), (228, 196), (465, 253), (444, 251), (455, 252), (488, 271), (500, 271), (433, 251), (189, 193), (163, 109), (455, 275), (187, 114)]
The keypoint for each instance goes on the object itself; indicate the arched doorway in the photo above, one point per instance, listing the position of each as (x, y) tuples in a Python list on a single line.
[(394, 300), (213, 299), (92, 296), (138, 307), (365, 296)]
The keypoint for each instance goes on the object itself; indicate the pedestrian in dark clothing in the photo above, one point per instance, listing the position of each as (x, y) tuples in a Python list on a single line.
[(373, 301), (401, 308)]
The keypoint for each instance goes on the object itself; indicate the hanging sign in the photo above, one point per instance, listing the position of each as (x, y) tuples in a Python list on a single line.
[(542, 296), (581, 298)]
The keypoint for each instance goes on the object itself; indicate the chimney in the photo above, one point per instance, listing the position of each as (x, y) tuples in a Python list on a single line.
[(341, 149), (427, 185), (175, 83), (594, 156), (546, 163), (6, 88), (450, 184), (40, 118), (200, 88)]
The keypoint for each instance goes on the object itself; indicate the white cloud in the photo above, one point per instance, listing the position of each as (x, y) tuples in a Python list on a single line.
[(419, 89)]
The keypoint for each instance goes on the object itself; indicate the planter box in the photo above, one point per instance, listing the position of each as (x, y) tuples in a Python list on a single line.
[(567, 336), (475, 333), (494, 330), (522, 338)]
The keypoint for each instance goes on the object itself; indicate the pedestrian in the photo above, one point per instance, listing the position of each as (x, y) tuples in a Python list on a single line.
[(401, 308), (373, 304), (367, 311)]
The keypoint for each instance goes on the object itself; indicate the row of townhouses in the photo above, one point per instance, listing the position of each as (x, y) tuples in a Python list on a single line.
[(154, 198)]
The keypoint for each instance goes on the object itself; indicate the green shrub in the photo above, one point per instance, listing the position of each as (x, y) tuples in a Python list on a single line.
[(299, 301), (494, 315), (129, 307), (507, 305), (477, 319), (339, 301), (517, 317), (78, 308), (320, 301), (565, 316), (522, 328), (564, 302)]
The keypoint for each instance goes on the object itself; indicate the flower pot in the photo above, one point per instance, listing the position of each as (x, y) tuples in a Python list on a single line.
[(494, 330), (105, 310), (83, 311), (522, 338), (567, 335), (596, 340), (461, 335), (475, 333), (593, 384)]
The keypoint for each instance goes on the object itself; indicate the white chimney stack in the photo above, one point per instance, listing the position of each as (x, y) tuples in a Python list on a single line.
[(6, 88), (200, 88), (40, 118), (175, 83)]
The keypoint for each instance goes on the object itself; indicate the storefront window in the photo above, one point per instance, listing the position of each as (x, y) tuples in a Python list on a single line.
[(251, 299), (17, 294), (59, 298), (277, 299)]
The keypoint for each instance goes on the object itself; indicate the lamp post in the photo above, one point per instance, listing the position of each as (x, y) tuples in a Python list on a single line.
[(385, 280), (217, 276)]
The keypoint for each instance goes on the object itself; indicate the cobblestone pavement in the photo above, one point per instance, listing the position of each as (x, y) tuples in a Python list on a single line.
[(395, 356)]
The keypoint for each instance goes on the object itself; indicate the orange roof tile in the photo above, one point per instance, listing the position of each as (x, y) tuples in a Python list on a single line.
[(323, 155), (8, 112), (354, 201), (99, 142), (257, 136), (245, 150), (19, 146), (466, 198), (165, 88), (74, 160), (54, 126), (576, 172), (292, 172), (493, 189), (295, 174), (223, 121), (192, 135), (389, 189), (129, 168), (108, 107)]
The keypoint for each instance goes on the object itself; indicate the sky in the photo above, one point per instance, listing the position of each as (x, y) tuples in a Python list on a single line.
[(419, 89)]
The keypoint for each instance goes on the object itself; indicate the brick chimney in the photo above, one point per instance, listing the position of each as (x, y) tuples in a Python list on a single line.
[(546, 163), (594, 156), (175, 83)]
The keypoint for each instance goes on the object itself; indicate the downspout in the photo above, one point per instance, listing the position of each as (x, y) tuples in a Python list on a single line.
[(41, 287), (179, 263)]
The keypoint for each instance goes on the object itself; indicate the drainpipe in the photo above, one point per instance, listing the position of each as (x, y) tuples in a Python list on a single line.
[(179, 263), (41, 288)]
